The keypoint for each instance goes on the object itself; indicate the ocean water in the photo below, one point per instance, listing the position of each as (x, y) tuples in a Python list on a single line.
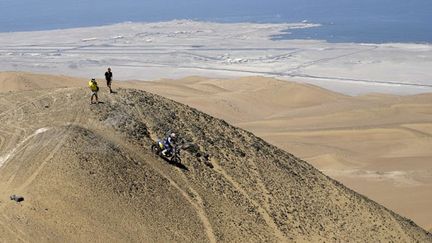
[(368, 21)]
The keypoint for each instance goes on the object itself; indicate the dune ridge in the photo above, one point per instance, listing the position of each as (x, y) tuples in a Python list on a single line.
[(122, 129), (377, 144), (19, 81), (92, 176)]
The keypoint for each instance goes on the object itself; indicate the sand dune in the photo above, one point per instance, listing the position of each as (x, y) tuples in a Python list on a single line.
[(87, 174), (361, 141), (239, 100), (375, 144), (18, 81)]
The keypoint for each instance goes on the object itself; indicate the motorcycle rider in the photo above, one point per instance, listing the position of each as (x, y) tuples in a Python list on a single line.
[(169, 144)]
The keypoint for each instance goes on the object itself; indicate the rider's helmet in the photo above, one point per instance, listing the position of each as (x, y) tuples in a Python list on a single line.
[(172, 135)]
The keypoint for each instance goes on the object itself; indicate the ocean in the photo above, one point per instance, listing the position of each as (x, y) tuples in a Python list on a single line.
[(366, 21)]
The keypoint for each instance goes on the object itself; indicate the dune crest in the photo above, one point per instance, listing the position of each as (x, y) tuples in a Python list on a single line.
[(92, 176), (19, 81), (361, 141)]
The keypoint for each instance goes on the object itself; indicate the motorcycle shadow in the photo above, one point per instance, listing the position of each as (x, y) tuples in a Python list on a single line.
[(176, 164)]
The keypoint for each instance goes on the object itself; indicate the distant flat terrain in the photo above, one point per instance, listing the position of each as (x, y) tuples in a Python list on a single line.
[(182, 48)]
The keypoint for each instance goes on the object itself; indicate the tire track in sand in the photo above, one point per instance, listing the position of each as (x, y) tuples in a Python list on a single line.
[(280, 236), (15, 109), (7, 156), (198, 205), (59, 144), (50, 156)]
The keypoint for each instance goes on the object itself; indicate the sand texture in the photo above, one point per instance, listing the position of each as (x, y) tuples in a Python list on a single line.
[(87, 174), (379, 145)]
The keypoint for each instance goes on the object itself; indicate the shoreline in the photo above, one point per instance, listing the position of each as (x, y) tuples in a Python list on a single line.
[(181, 48), (301, 25)]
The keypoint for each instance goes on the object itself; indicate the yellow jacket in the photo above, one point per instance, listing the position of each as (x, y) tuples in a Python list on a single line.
[(93, 86)]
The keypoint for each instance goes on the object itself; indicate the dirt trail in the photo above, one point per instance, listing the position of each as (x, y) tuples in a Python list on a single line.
[(334, 132), (195, 200), (87, 174), (263, 210)]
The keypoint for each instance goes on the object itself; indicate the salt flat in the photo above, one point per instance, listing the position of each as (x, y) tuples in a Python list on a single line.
[(183, 48)]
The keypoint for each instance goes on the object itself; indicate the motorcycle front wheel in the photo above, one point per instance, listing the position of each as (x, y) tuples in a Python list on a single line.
[(155, 149)]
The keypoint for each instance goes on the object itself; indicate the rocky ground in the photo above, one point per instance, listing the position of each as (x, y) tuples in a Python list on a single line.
[(87, 173)]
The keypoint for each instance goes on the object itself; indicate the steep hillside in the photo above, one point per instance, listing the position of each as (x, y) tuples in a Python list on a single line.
[(87, 174), (378, 145)]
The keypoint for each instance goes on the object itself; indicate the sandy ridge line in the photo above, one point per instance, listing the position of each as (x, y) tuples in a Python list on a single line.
[(263, 211), (197, 205), (417, 132), (363, 128), (199, 208)]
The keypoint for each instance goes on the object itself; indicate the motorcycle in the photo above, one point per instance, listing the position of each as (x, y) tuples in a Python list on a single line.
[(172, 156)]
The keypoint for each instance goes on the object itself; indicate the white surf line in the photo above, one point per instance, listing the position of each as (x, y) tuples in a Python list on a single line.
[(6, 157)]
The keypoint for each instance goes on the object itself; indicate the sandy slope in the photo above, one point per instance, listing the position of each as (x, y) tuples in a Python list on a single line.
[(87, 174), (18, 81), (378, 145)]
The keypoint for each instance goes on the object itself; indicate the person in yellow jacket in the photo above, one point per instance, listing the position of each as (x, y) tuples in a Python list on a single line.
[(94, 89)]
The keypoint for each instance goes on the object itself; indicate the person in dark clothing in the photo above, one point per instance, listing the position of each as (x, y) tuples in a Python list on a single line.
[(108, 78), (169, 143)]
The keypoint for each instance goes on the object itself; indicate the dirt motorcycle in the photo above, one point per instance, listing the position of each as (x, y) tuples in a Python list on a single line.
[(172, 156)]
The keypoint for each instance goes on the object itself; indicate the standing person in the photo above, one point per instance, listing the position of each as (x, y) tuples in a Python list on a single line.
[(108, 78), (94, 88)]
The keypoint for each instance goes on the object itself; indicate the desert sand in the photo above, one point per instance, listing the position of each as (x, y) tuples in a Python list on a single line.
[(378, 145), (87, 172), (21, 81)]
